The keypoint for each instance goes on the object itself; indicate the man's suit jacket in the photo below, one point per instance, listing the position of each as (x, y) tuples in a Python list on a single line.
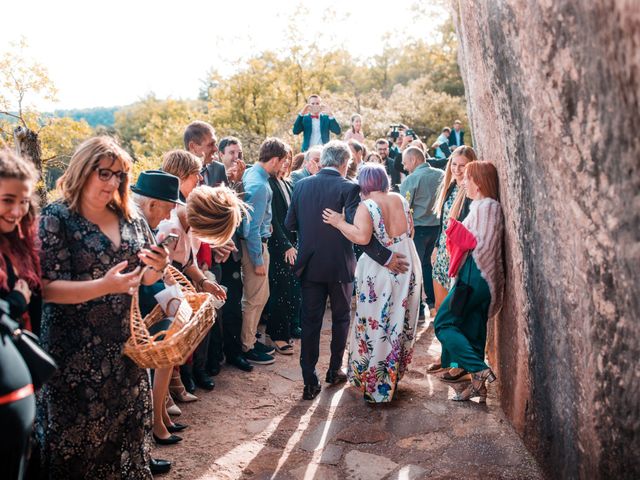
[(327, 124), (452, 139), (298, 175), (324, 254), (214, 175)]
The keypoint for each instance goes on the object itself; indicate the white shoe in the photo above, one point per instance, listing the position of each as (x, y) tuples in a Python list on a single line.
[(172, 408)]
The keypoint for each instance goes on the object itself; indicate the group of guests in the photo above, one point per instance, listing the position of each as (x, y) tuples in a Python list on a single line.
[(271, 242), (460, 270)]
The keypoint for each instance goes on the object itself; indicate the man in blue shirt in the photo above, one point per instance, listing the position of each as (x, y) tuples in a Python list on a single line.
[(315, 121), (255, 255)]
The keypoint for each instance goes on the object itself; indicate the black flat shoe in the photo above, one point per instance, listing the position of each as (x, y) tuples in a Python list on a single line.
[(202, 380), (240, 362), (176, 427), (159, 466), (172, 440), (311, 391), (189, 384), (335, 377)]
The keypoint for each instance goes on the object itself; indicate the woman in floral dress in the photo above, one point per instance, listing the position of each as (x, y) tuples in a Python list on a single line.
[(95, 414), (381, 343)]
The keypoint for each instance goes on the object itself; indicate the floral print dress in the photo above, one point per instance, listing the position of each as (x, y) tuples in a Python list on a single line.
[(383, 334), (441, 267), (94, 416)]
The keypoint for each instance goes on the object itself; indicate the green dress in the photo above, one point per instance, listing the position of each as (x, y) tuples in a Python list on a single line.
[(464, 338)]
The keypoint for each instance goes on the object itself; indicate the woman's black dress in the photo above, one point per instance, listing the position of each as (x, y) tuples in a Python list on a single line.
[(283, 307), (94, 415)]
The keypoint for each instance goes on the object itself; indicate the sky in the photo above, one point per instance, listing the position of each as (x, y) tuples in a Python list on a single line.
[(114, 53)]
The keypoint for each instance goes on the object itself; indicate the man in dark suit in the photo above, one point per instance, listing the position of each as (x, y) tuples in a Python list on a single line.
[(200, 139), (326, 262), (456, 138), (226, 262), (315, 121), (384, 150)]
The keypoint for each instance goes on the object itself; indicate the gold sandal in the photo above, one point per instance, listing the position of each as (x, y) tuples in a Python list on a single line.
[(477, 388)]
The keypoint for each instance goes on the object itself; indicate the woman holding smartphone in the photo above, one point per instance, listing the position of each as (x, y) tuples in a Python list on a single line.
[(97, 406)]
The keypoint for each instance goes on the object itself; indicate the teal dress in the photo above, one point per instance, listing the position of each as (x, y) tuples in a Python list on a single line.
[(464, 338)]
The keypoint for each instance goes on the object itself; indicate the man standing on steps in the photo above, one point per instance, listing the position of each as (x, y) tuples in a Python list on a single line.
[(255, 254), (326, 262), (315, 121)]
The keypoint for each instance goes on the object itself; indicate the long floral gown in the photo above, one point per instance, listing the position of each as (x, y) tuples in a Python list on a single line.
[(383, 334)]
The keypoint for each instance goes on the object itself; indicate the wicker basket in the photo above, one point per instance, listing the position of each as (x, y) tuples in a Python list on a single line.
[(181, 339)]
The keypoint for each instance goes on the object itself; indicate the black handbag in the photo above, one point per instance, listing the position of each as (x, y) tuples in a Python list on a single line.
[(41, 365), (460, 297)]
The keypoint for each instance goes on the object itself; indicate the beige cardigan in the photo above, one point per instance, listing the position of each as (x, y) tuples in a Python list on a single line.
[(486, 223)]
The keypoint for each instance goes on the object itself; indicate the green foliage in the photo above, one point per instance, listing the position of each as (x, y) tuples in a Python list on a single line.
[(22, 80), (152, 127), (95, 117)]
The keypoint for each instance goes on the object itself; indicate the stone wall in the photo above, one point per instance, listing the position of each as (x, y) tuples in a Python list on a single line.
[(553, 89)]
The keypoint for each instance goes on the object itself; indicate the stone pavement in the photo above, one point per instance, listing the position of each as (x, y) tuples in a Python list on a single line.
[(274, 435)]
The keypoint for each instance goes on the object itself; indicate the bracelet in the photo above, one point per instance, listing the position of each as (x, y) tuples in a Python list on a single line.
[(200, 283)]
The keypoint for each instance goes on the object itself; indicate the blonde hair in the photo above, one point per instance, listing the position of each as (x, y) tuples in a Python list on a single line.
[(214, 213), (470, 154), (84, 161), (181, 163)]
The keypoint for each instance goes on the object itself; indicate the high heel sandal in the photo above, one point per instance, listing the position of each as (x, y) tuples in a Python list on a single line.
[(177, 390), (477, 389)]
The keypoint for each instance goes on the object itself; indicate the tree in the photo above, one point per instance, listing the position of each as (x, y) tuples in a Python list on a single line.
[(151, 127), (42, 140)]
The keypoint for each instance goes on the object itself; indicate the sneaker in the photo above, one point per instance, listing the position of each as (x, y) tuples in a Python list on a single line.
[(262, 348), (260, 358)]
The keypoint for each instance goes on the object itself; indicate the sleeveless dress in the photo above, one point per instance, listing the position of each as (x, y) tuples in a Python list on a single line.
[(383, 334)]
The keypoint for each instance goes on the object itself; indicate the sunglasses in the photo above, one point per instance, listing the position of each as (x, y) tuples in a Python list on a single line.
[(105, 174)]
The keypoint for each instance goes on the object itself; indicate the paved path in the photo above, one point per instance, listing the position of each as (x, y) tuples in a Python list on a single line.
[(255, 426)]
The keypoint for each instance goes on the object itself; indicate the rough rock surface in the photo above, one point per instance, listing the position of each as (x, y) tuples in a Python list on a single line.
[(553, 89)]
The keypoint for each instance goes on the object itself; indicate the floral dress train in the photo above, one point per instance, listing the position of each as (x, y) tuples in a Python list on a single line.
[(383, 334)]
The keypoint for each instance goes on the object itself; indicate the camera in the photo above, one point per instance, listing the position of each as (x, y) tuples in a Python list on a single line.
[(395, 133), (411, 133)]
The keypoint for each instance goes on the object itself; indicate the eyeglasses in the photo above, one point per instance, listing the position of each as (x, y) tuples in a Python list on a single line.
[(105, 174)]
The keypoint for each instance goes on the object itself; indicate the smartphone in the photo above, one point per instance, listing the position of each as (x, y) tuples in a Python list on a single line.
[(168, 240)]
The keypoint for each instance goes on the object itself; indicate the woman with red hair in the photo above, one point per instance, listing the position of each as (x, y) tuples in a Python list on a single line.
[(475, 247), (21, 301), (20, 284)]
